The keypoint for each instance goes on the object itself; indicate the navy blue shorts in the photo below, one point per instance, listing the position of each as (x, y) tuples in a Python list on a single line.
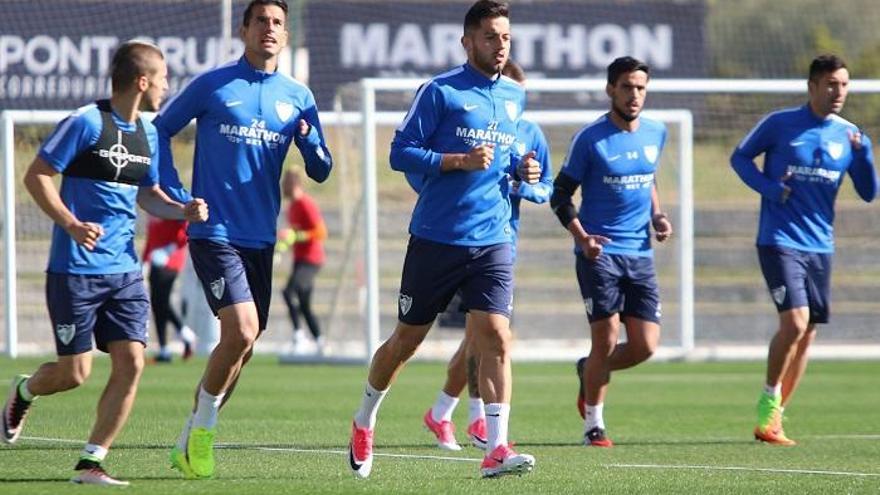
[(798, 279), (433, 272), (617, 283), (232, 274), (110, 307)]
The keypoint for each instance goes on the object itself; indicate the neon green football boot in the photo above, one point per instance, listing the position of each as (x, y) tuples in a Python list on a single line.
[(200, 452), (769, 427), (179, 462)]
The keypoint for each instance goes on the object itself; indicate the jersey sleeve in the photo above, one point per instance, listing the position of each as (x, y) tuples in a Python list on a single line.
[(151, 178), (539, 192), (577, 161), (73, 135), (409, 148), (759, 140), (176, 114), (862, 171), (312, 146)]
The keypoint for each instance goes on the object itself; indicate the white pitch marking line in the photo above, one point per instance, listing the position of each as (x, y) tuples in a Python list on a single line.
[(740, 468)]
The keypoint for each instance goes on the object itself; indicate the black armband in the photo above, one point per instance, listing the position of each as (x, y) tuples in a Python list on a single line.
[(560, 201)]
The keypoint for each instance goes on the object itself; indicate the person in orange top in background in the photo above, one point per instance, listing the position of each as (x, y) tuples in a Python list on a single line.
[(165, 252), (306, 235)]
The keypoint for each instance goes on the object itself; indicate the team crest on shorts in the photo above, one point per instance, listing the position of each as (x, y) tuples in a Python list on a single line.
[(284, 110), (218, 287), (405, 303), (778, 294), (588, 304), (65, 332)]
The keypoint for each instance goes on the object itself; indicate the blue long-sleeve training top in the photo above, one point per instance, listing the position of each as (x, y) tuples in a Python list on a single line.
[(246, 120), (816, 152), (453, 113)]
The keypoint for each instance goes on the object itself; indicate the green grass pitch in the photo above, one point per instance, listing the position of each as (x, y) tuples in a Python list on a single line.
[(679, 428)]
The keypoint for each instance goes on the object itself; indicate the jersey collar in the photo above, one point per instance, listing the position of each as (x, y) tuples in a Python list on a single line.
[(479, 78)]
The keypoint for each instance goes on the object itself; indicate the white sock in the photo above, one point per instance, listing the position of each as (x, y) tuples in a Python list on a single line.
[(365, 417), (773, 390), (207, 409), (187, 334), (93, 452), (593, 417), (476, 409), (443, 407), (184, 435), (25, 393), (497, 417)]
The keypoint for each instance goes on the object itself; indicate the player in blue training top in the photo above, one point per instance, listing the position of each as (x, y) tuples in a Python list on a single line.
[(807, 150), (247, 115), (458, 134), (614, 160), (462, 370), (107, 154)]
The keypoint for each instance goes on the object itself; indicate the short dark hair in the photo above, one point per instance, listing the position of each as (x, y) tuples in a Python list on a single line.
[(625, 65), (132, 60), (514, 71), (484, 9), (249, 10), (825, 64)]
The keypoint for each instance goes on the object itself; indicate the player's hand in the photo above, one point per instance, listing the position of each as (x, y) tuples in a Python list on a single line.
[(662, 227), (528, 168), (479, 158), (855, 139), (196, 211), (303, 127), (786, 189), (592, 245), (86, 234)]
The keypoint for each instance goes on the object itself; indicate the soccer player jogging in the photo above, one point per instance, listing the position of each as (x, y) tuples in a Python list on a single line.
[(247, 115), (807, 150), (614, 160), (458, 133), (462, 369), (306, 238), (108, 157)]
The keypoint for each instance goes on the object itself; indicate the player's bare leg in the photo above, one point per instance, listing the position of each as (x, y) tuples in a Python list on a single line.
[(793, 328)]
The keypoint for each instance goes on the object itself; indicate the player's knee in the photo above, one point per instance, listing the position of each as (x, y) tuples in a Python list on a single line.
[(495, 341)]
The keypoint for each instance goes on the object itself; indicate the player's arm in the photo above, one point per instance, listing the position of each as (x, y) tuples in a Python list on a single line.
[(309, 139), (155, 202), (410, 152), (862, 171), (539, 192), (564, 188), (659, 220), (756, 142), (176, 114), (38, 182)]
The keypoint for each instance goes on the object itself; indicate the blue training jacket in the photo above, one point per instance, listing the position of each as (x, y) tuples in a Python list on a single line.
[(246, 120), (453, 113), (817, 152)]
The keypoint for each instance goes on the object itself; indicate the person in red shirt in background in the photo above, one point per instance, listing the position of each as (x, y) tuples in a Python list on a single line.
[(306, 235), (165, 252)]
